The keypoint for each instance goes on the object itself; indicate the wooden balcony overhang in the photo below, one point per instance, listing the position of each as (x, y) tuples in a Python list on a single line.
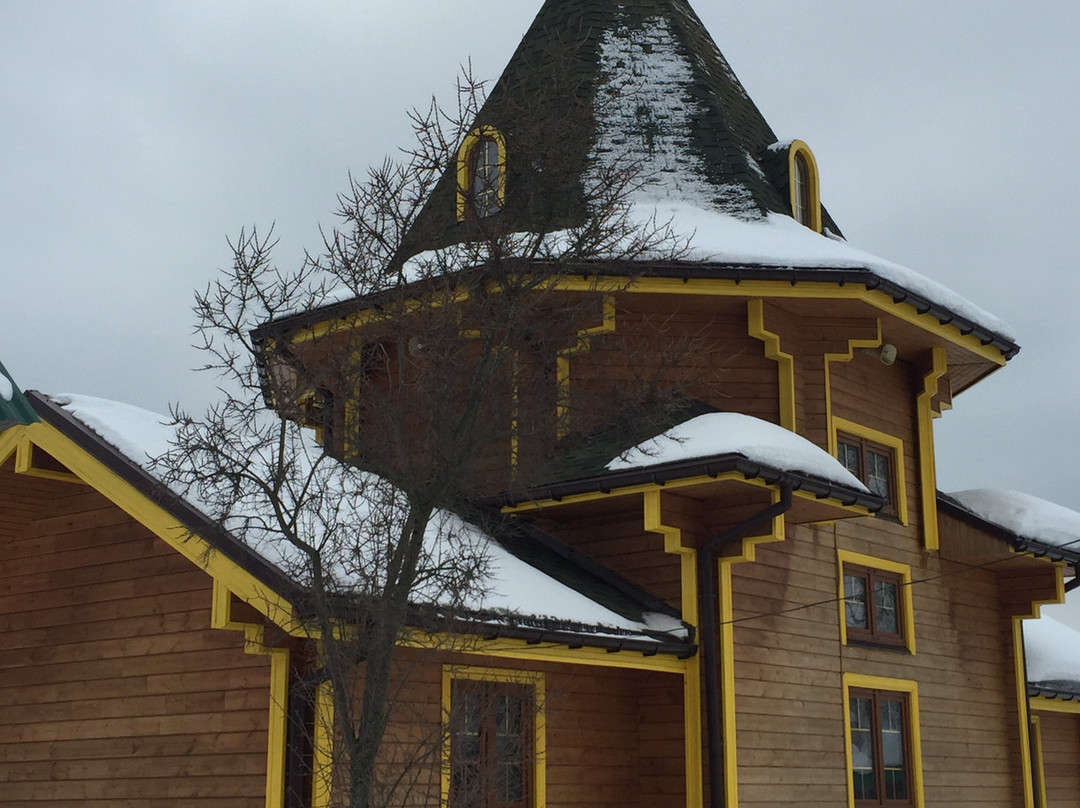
[(729, 479)]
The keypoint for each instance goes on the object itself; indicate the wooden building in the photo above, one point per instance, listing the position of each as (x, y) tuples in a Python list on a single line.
[(790, 613)]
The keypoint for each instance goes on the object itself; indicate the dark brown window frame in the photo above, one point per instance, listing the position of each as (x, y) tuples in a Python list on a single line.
[(876, 697), (872, 635), (865, 447), (487, 759)]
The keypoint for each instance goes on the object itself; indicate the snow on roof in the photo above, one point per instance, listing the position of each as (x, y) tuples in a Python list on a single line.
[(718, 433), (781, 242), (1024, 515), (510, 586), (1052, 650), (7, 390)]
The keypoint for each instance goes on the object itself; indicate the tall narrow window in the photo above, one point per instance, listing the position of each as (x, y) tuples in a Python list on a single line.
[(805, 196), (485, 169), (880, 748), (801, 191), (491, 749), (481, 174)]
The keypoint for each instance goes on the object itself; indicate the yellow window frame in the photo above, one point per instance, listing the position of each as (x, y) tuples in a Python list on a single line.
[(464, 169), (857, 681), (894, 444), (536, 680), (872, 562), (799, 149)]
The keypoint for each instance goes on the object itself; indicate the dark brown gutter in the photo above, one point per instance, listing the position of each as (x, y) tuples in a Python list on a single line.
[(710, 656)]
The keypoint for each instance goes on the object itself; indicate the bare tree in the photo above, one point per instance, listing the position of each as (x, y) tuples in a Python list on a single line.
[(353, 436)]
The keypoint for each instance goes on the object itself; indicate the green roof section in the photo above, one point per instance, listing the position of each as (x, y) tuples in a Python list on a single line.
[(640, 81), (14, 408)]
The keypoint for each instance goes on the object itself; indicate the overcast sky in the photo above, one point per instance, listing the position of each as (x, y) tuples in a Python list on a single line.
[(138, 135)]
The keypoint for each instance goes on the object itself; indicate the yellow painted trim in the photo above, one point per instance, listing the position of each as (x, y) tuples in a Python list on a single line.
[(852, 346), (463, 178), (323, 757), (582, 343), (692, 701), (276, 737), (813, 179), (165, 526), (721, 287), (1020, 676), (856, 680), (837, 425), (505, 648), (537, 681), (927, 463), (785, 362), (903, 570), (1036, 727), (1044, 704), (727, 683)]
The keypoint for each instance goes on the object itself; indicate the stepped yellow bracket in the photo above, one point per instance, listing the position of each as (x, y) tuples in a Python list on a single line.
[(924, 407), (785, 362), (852, 346), (692, 707), (583, 343)]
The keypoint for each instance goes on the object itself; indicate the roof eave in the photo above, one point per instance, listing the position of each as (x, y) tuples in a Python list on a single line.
[(1018, 542), (158, 493), (687, 270), (663, 473)]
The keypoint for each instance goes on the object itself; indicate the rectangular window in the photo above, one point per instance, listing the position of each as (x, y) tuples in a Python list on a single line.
[(873, 464), (881, 769), (873, 605), (491, 744)]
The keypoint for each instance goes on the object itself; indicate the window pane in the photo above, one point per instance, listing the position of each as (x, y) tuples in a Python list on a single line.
[(848, 454), (892, 746), (862, 750), (885, 609), (485, 177), (877, 473), (855, 601)]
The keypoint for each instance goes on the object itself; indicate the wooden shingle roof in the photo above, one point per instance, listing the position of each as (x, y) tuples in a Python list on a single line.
[(579, 58)]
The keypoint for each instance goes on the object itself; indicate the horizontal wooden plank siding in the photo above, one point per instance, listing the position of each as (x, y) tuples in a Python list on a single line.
[(1061, 758), (789, 664), (114, 690), (614, 737)]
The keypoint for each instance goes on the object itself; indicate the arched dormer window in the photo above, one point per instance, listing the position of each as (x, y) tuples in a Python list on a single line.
[(481, 174), (803, 185)]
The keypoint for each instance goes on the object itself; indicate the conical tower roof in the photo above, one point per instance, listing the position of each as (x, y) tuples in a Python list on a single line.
[(14, 408), (633, 82)]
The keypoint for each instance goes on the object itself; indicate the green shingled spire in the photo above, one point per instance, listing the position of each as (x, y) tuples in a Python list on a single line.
[(13, 405), (637, 80)]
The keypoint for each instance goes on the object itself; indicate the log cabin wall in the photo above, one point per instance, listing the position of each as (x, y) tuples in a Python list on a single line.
[(789, 664), (613, 737), (1060, 744), (114, 691)]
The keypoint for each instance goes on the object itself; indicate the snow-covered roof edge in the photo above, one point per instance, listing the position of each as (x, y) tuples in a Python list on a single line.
[(127, 461), (1030, 523)]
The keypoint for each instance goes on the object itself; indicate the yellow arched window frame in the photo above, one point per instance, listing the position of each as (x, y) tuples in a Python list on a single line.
[(804, 185), (468, 154)]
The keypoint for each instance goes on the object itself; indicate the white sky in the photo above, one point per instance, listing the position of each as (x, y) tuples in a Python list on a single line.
[(138, 134)]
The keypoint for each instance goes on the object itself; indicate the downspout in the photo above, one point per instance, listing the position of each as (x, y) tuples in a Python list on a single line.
[(707, 609)]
